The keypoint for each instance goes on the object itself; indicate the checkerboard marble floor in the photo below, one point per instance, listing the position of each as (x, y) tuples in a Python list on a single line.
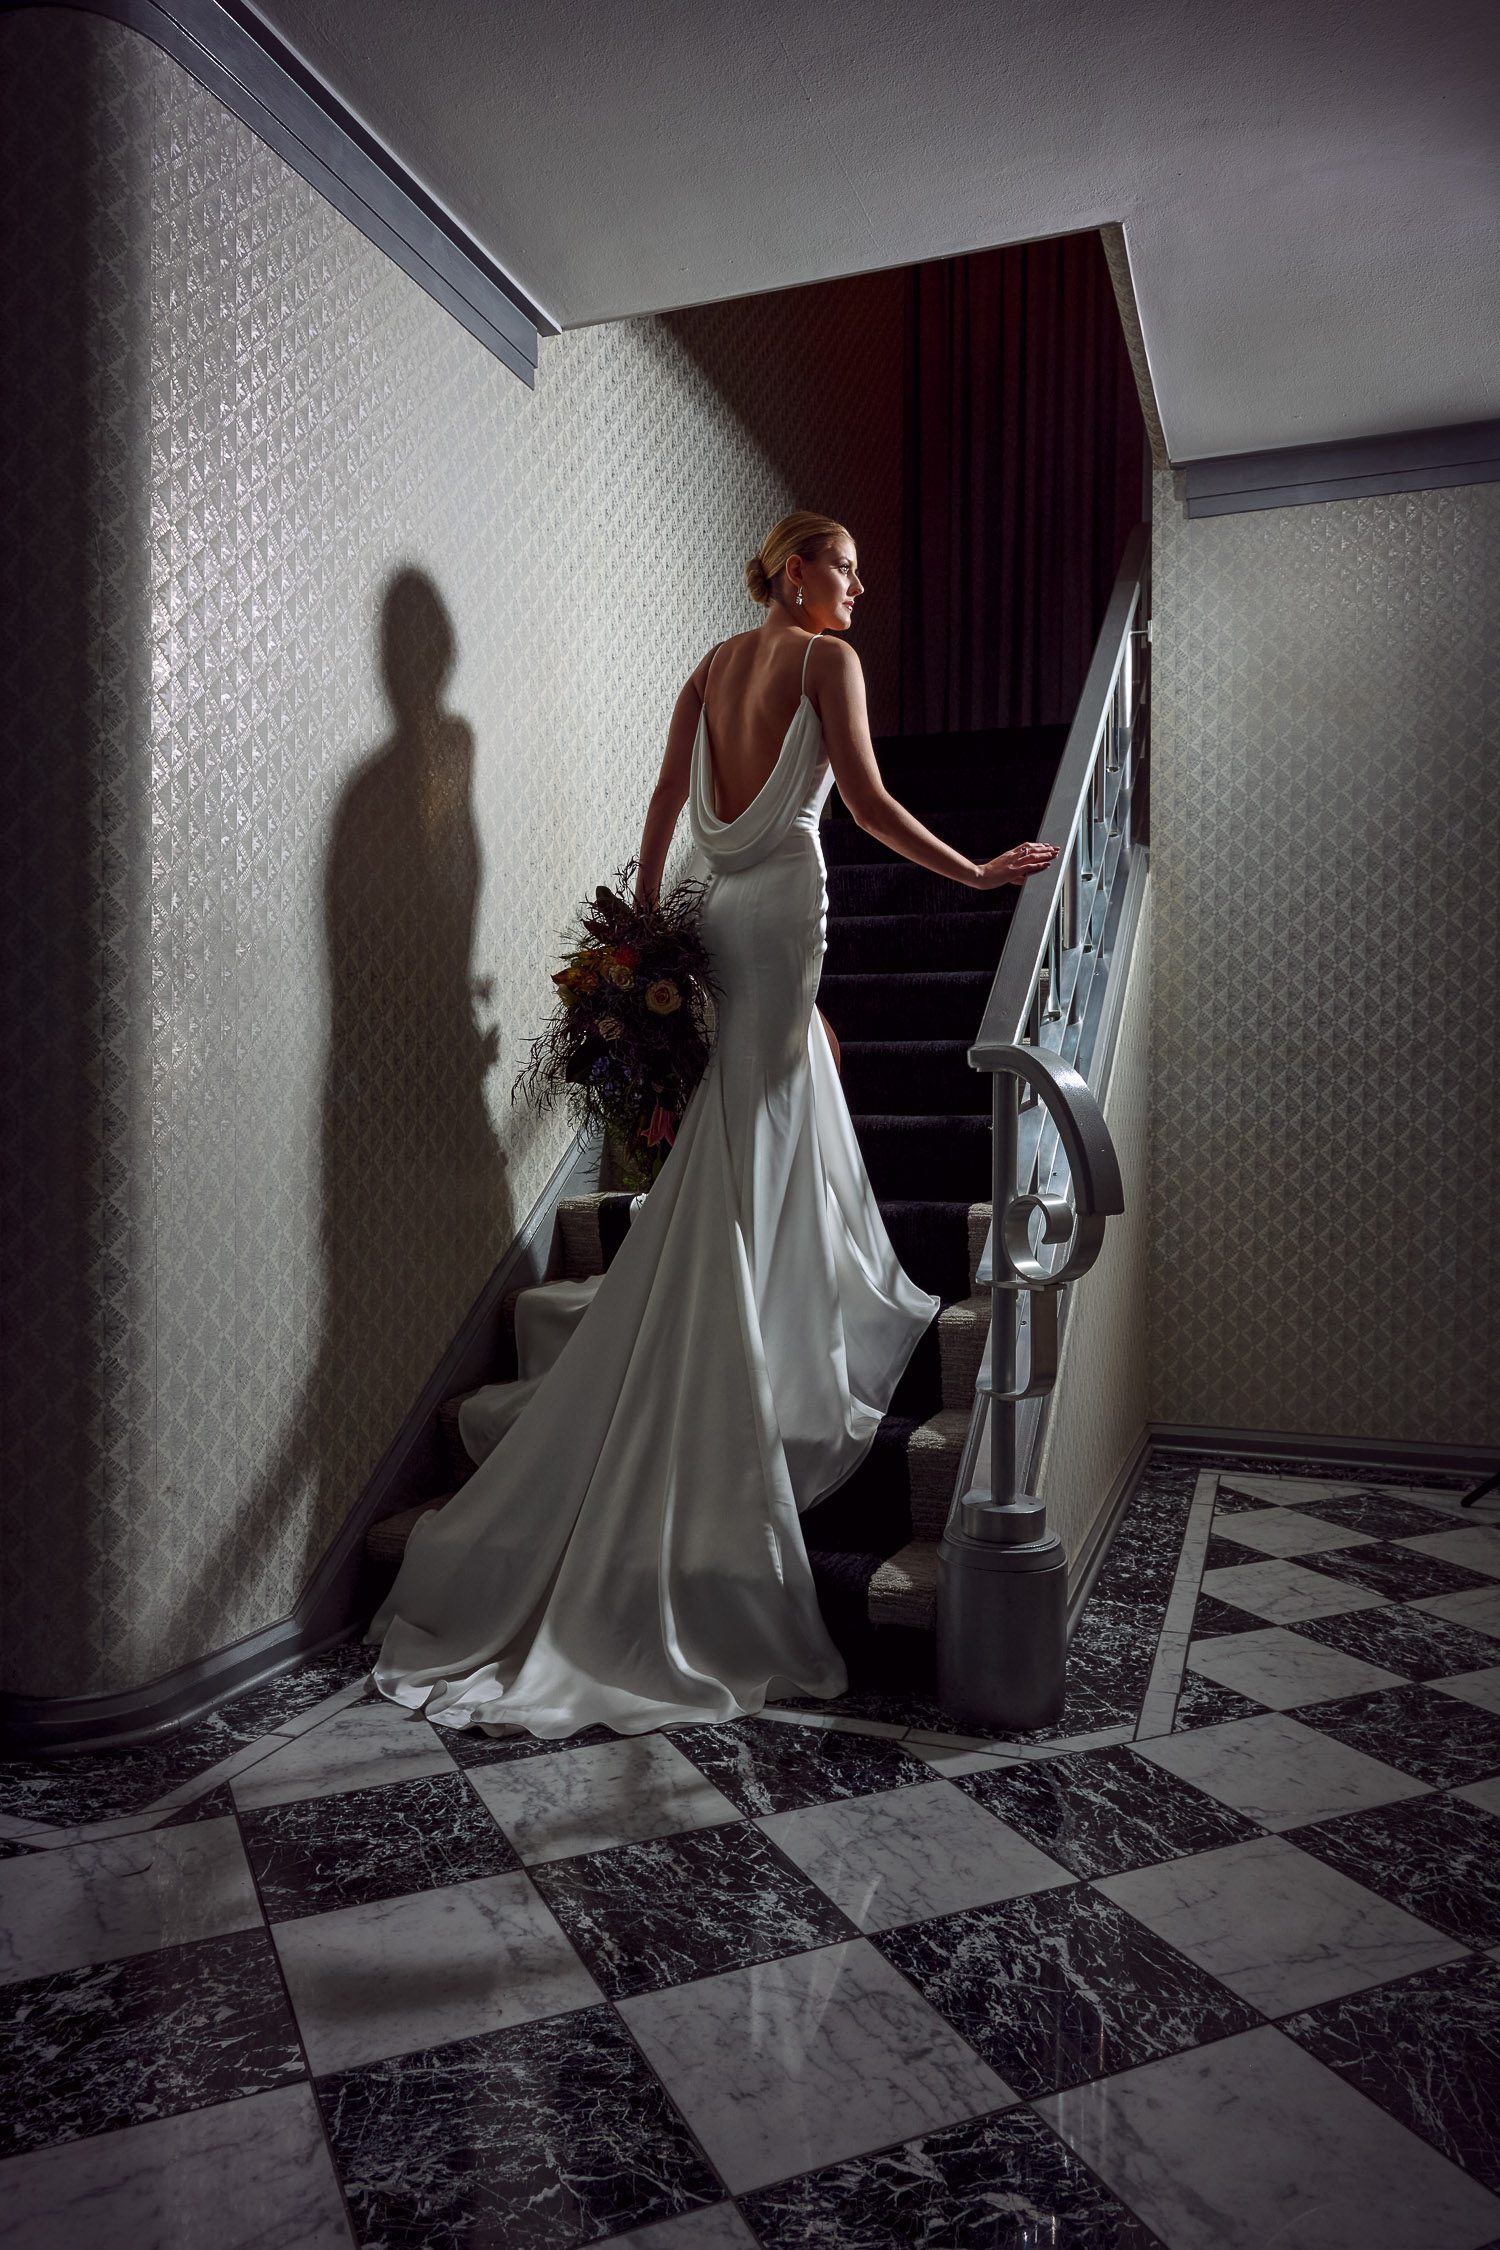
[(1214, 1963)]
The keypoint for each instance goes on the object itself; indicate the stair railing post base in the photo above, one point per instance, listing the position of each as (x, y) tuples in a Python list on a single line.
[(1002, 1637)]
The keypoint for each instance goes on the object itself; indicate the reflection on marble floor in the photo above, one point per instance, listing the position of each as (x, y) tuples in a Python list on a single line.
[(1215, 1961)]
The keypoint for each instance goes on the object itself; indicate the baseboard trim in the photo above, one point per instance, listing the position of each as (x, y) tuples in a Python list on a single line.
[(332, 1607), (1106, 1523), (1303, 1445)]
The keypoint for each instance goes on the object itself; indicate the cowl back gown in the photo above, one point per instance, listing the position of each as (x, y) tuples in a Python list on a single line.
[(630, 1551)]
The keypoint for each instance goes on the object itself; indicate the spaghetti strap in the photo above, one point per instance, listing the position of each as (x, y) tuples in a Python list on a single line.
[(806, 653)]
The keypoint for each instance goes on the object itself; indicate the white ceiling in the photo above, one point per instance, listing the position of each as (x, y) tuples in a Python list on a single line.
[(1310, 189)]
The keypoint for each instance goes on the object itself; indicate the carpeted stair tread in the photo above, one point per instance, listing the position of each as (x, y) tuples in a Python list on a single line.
[(860, 944), (385, 1541), (934, 1242), (949, 1157), (976, 831), (897, 887), (903, 1589), (908, 1077), (934, 1004)]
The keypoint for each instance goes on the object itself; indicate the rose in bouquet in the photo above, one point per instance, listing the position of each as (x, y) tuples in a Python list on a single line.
[(629, 1039)]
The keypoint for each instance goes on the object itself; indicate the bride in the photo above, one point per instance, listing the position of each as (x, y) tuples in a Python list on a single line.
[(630, 1553)]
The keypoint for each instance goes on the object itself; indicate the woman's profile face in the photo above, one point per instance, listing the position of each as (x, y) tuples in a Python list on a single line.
[(830, 583)]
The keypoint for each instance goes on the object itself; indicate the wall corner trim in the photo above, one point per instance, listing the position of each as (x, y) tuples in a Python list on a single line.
[(1294, 476), (240, 60)]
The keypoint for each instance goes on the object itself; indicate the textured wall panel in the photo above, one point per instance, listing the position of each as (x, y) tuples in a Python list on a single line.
[(1098, 1411), (1325, 820), (357, 666)]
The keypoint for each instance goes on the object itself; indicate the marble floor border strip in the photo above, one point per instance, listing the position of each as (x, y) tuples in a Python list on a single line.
[(1159, 1703)]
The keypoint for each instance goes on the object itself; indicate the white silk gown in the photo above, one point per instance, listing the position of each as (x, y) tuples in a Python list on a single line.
[(629, 1552)]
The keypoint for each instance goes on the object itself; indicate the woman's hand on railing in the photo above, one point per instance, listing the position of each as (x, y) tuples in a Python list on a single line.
[(1015, 865)]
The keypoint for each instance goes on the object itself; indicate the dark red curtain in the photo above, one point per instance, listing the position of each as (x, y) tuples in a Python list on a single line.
[(1022, 466)]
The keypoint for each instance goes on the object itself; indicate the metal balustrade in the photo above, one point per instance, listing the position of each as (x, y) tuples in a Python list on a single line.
[(1056, 1179)]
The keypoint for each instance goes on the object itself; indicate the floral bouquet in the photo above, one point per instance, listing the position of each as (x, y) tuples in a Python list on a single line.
[(630, 1037)]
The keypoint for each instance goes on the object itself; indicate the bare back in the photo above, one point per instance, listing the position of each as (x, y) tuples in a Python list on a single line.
[(751, 694)]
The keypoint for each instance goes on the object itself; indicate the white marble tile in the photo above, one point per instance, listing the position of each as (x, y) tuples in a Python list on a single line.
[(1477, 1548), (1485, 1794), (1250, 2143), (212, 1777), (795, 2064), (1289, 1492), (720, 2227), (95, 1831), (779, 1717), (1102, 1738), (610, 1793), (1478, 1607), (403, 1973), (925, 1738), (253, 2174), (1482, 1688), (358, 1748), (128, 1894), (1282, 1669), (1276, 1925), (1287, 1531), (1282, 1594), (13, 1829), (954, 1762), (1159, 1703), (1279, 1772), (908, 1854), (1445, 1503), (354, 1691)]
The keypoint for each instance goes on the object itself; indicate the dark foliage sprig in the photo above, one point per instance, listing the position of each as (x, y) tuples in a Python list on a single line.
[(630, 1037)]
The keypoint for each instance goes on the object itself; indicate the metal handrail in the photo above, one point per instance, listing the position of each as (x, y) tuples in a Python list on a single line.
[(1046, 971), (1027, 942)]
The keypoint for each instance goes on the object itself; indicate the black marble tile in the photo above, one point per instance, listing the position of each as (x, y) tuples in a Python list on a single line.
[(766, 1766), (88, 2050), (1100, 1812), (263, 1710), (1328, 1471), (1403, 1639), (1378, 1514), (69, 1792), (355, 1846), (1002, 2183), (648, 1915), (1212, 1617), (1421, 1731), (1229, 1554), (1439, 1857), (1208, 1703), (1427, 2049), (1399, 1572), (1062, 1986), (1228, 1502), (541, 2137), (471, 1746), (877, 1704)]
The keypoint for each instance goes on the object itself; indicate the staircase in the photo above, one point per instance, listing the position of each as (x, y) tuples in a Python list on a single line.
[(910, 961)]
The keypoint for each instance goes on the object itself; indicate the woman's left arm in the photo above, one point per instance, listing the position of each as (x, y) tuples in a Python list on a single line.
[(671, 791)]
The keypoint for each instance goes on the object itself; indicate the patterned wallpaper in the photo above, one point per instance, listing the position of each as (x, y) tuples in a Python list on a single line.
[(346, 670), (1325, 823), (1098, 1410)]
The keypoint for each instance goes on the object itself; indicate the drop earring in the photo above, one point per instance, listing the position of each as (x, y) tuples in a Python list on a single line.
[(799, 597)]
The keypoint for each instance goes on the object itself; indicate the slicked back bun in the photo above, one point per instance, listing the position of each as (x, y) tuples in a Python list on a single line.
[(803, 532)]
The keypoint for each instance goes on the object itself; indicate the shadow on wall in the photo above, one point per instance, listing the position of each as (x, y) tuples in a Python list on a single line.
[(415, 1187)]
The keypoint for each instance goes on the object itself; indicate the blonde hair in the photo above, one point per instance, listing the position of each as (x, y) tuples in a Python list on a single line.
[(803, 532)]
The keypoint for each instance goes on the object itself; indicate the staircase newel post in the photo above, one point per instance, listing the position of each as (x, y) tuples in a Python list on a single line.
[(1002, 1576)]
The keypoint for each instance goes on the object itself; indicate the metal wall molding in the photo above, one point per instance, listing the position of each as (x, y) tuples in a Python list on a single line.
[(334, 1603), (1295, 476), (243, 64)]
